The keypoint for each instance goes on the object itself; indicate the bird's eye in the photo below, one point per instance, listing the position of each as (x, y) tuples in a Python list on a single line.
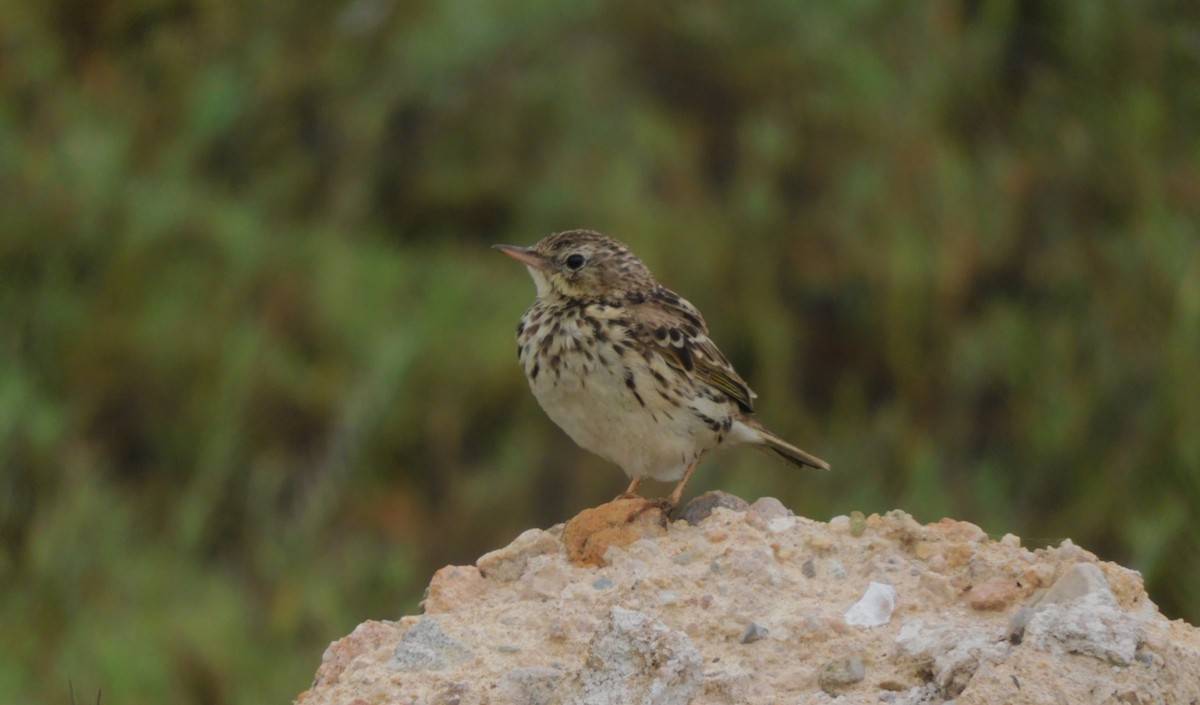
[(576, 261)]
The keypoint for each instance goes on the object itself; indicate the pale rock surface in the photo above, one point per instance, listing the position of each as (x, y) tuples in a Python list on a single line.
[(628, 646), (746, 604)]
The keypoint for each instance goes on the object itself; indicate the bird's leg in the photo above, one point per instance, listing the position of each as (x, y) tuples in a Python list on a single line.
[(666, 504), (632, 491), (677, 493)]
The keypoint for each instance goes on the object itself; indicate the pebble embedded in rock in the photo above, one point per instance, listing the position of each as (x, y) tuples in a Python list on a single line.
[(858, 523), (994, 594), (702, 507), (765, 509), (940, 587), (685, 558), (770, 507), (591, 534), (1077, 582), (753, 633), (837, 675), (874, 608)]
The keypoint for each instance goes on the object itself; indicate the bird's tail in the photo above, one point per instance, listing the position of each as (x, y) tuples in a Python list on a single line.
[(768, 441)]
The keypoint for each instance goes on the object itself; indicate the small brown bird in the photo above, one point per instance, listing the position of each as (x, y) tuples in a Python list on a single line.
[(625, 366)]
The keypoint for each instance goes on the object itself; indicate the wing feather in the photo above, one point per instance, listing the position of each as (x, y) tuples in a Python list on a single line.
[(673, 328)]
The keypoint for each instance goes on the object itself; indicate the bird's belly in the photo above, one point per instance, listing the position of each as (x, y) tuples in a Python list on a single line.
[(632, 425)]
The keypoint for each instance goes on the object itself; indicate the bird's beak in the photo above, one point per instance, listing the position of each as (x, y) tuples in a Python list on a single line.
[(524, 255)]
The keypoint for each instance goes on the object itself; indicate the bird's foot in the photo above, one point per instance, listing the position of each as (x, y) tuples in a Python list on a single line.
[(664, 505)]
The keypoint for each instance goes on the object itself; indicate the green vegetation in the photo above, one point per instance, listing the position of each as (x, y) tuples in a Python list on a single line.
[(257, 376)]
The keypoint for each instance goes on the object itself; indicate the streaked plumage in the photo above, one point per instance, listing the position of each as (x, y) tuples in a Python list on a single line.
[(625, 366)]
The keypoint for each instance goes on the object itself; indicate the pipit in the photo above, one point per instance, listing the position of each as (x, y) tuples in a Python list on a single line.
[(625, 366)]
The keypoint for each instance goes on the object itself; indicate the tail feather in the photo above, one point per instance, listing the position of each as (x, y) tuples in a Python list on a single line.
[(768, 441)]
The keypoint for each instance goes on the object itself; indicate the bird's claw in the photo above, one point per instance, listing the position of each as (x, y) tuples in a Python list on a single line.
[(663, 504)]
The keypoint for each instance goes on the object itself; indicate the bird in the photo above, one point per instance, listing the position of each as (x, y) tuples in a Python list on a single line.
[(626, 368)]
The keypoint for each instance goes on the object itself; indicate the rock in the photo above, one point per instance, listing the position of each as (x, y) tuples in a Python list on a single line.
[(958, 531), (508, 563), (425, 647), (858, 523), (753, 633), (837, 675), (769, 508), (952, 653), (370, 636), (1076, 583), (702, 507), (1079, 614), (615, 607), (939, 587), (451, 586), (635, 660), (769, 514), (994, 594), (924, 695), (617, 524), (534, 685), (874, 608)]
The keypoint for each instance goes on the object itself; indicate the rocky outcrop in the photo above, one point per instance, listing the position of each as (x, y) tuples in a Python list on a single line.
[(749, 604)]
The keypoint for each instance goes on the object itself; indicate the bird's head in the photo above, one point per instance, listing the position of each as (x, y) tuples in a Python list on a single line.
[(582, 265)]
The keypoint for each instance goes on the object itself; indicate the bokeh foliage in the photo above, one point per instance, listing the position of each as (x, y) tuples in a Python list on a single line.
[(257, 372)]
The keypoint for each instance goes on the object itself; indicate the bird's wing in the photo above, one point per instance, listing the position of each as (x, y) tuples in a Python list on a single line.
[(672, 327)]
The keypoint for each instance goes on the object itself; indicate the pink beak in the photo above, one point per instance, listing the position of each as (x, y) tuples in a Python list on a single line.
[(524, 255)]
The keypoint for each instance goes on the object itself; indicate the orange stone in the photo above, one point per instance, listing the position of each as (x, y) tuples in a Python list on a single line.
[(617, 523)]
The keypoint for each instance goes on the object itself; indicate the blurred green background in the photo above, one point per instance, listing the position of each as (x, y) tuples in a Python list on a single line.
[(257, 372)]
